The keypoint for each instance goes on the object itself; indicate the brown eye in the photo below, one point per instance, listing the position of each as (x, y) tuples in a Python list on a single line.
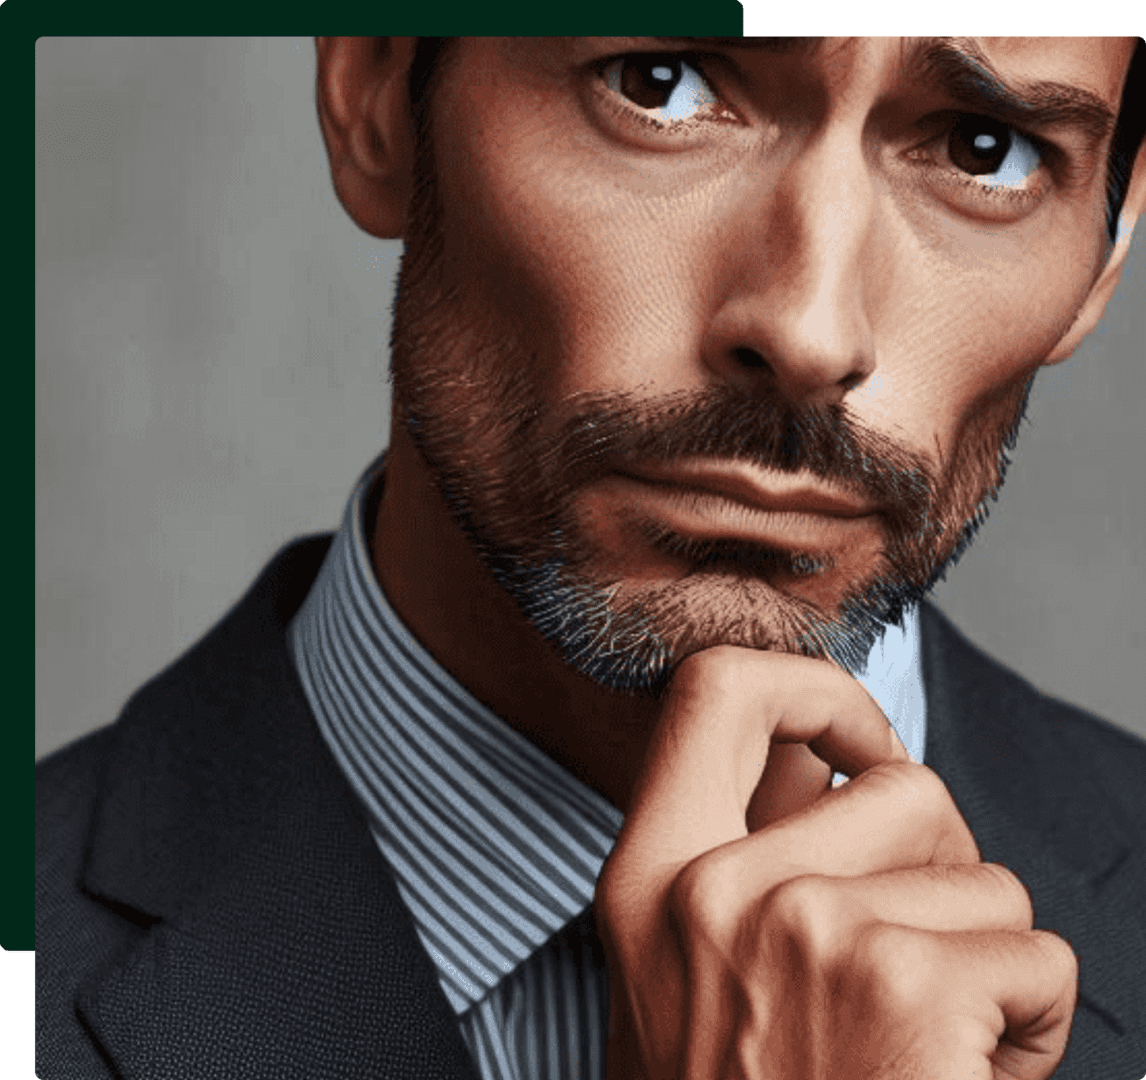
[(666, 86), (648, 81), (986, 148), (979, 145)]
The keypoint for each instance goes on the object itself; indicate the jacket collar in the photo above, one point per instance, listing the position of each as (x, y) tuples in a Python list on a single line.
[(275, 936), (1023, 772)]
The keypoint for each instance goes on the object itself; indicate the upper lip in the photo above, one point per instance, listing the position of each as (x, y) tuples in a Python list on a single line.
[(763, 489)]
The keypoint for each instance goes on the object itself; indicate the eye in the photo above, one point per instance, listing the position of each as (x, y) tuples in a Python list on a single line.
[(994, 153), (668, 88)]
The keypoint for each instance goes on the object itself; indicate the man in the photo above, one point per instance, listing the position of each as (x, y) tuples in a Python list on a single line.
[(706, 357)]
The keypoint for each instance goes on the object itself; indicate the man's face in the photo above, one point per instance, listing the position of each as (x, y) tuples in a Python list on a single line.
[(713, 343)]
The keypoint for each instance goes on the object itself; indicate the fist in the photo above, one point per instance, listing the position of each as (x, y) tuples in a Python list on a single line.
[(855, 935)]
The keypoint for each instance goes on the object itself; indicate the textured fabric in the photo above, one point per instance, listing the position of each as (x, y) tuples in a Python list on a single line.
[(210, 901), (495, 848), (1057, 796)]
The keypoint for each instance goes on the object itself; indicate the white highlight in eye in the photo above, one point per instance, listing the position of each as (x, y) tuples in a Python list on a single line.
[(1021, 161)]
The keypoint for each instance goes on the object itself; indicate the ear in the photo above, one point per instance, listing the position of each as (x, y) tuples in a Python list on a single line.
[(1103, 288), (364, 110)]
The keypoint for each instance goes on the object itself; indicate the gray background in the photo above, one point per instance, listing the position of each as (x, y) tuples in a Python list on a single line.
[(211, 379)]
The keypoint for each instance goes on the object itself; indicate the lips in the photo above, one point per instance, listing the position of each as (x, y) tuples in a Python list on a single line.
[(767, 491)]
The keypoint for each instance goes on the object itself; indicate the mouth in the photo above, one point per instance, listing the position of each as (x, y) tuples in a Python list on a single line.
[(721, 500)]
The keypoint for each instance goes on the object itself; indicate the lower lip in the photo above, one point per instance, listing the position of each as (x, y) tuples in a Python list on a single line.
[(705, 515)]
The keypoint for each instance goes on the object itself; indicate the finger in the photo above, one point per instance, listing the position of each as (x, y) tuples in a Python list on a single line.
[(812, 925), (822, 915), (945, 898), (1037, 993), (896, 816), (1016, 989), (722, 712), (793, 779)]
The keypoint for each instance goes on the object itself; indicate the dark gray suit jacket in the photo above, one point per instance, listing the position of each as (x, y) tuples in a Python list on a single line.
[(210, 904)]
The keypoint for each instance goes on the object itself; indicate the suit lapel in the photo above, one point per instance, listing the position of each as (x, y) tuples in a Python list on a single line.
[(1037, 805), (277, 945)]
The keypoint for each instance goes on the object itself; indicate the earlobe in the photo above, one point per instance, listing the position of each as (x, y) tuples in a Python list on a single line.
[(364, 111), (1103, 289)]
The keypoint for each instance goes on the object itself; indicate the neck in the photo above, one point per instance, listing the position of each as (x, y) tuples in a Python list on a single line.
[(451, 603)]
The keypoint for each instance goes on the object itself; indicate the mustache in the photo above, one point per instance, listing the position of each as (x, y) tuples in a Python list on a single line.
[(605, 431)]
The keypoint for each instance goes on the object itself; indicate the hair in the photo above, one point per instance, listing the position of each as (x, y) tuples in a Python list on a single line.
[(1128, 130), (425, 69), (1128, 133)]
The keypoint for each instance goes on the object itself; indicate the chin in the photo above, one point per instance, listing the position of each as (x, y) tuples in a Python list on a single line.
[(628, 635)]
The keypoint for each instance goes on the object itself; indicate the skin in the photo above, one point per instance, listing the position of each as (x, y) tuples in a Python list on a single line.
[(814, 223)]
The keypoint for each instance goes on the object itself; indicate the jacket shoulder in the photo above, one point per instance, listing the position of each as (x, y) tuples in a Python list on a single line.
[(79, 936), (1063, 749), (75, 935)]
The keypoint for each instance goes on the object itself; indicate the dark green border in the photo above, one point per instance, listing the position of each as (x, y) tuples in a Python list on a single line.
[(21, 23)]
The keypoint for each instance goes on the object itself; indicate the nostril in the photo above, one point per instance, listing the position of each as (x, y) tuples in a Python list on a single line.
[(750, 358)]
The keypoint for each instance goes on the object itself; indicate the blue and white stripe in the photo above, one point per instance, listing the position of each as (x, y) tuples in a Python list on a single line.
[(495, 848)]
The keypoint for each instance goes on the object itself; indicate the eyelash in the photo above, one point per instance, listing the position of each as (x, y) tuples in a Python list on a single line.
[(996, 193), (720, 112)]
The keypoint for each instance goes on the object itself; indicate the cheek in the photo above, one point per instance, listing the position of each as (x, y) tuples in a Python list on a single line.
[(965, 318), (602, 282)]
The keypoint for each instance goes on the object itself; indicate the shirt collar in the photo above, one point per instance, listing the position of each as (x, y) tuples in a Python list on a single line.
[(495, 847), (894, 677)]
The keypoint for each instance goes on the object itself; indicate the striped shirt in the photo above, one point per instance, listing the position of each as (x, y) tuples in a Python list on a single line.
[(495, 848)]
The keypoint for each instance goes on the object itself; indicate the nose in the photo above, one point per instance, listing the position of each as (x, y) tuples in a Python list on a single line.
[(793, 319)]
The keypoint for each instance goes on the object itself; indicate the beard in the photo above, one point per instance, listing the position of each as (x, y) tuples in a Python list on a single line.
[(512, 465)]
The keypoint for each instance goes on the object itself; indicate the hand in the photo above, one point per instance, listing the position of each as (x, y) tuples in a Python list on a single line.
[(859, 936)]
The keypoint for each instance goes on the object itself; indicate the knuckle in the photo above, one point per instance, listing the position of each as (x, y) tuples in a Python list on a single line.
[(908, 778), (925, 783), (721, 661), (701, 897), (894, 967), (812, 913), (917, 792), (908, 786), (1014, 893), (718, 674), (1058, 957)]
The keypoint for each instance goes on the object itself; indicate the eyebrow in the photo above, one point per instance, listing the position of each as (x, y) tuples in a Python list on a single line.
[(960, 69)]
